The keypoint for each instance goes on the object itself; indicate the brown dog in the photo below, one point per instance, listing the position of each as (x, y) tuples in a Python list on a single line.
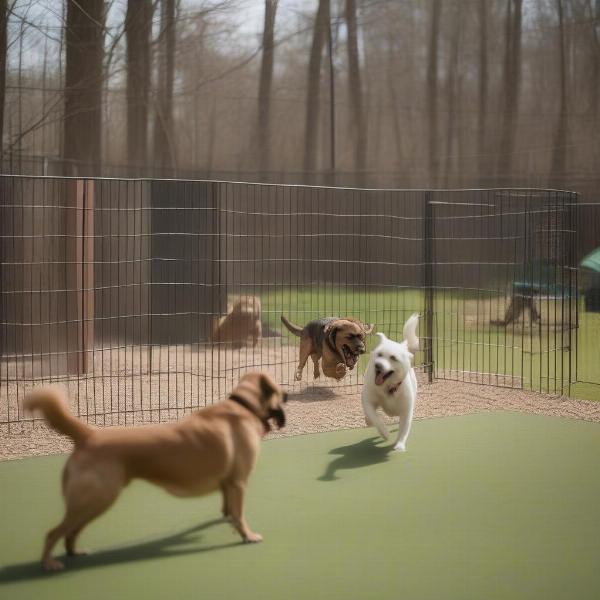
[(338, 342), (214, 448), (241, 325)]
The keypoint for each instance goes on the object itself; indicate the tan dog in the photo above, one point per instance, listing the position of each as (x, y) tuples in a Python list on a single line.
[(241, 325), (336, 342), (213, 449)]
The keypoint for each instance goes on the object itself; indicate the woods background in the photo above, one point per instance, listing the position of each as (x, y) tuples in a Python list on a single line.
[(406, 93)]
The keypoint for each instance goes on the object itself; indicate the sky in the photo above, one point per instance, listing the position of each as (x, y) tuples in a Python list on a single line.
[(44, 22)]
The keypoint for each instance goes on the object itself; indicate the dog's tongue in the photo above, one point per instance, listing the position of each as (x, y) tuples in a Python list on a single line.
[(379, 378)]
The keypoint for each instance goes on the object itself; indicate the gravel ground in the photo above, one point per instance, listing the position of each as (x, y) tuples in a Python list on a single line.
[(129, 395)]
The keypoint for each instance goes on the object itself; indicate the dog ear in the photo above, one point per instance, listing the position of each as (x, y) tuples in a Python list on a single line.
[(382, 338), (368, 327), (267, 386), (331, 332)]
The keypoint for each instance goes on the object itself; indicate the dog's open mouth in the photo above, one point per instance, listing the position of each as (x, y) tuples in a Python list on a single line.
[(381, 377), (350, 357)]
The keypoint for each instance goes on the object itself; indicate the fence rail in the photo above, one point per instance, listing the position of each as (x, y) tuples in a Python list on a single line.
[(114, 286)]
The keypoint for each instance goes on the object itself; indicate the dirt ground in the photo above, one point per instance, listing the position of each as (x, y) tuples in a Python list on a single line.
[(133, 387)]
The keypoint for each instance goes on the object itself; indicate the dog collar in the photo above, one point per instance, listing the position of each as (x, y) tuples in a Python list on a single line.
[(243, 402), (335, 350)]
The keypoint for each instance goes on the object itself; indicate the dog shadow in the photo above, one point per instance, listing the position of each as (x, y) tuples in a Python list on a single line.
[(161, 547), (354, 456), (313, 394)]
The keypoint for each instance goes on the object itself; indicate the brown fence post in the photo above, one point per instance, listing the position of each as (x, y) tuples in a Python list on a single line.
[(80, 274)]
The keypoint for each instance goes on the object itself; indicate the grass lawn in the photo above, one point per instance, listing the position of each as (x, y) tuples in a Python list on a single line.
[(491, 505), (464, 340)]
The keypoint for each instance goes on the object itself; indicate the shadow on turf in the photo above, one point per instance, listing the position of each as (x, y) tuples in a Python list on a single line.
[(313, 393), (157, 548), (361, 454)]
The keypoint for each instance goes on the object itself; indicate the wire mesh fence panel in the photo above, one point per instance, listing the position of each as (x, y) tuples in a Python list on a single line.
[(505, 287), (143, 296), (149, 298), (588, 332)]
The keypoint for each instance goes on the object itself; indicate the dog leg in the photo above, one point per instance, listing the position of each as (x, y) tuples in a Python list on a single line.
[(305, 347), (340, 371), (86, 499), (256, 333), (372, 418), (70, 542), (49, 563), (406, 417), (69, 528), (235, 503), (315, 359), (225, 506)]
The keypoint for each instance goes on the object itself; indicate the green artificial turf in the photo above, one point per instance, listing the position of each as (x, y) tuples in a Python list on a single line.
[(487, 506)]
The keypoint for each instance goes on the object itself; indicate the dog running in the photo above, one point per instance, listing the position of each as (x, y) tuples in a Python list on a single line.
[(213, 449), (337, 342), (391, 383)]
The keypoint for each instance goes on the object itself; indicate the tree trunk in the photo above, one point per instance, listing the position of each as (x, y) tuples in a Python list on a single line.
[(164, 144), (395, 109), (355, 95), (559, 151), (211, 140), (483, 93), (432, 92), (84, 39), (3, 51), (264, 88), (451, 94), (512, 85), (311, 131), (138, 29), (594, 104)]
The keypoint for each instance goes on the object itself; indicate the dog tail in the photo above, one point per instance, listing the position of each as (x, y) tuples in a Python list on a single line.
[(51, 402), (410, 332), (291, 327)]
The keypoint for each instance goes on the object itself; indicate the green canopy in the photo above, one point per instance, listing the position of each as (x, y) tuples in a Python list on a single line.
[(592, 261)]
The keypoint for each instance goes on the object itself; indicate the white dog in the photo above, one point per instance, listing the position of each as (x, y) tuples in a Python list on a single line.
[(391, 383)]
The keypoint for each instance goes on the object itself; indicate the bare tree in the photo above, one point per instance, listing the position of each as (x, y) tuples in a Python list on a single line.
[(452, 91), (432, 90), (164, 144), (595, 75), (138, 29), (264, 87), (3, 51), (356, 95), (82, 123), (483, 88), (559, 151), (394, 103), (511, 85), (320, 31)]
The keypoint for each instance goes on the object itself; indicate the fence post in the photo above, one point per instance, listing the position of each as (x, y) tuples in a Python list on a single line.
[(428, 282), (80, 274)]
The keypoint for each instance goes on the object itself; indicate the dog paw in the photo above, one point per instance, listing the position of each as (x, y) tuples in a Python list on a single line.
[(384, 433), (253, 538), (51, 564), (400, 447), (340, 370), (76, 553)]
